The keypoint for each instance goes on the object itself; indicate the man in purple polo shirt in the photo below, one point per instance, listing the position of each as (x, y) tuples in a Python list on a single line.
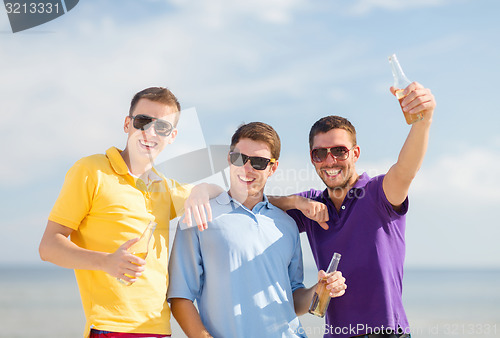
[(363, 219)]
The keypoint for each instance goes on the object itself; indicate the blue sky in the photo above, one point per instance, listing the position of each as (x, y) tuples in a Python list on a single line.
[(65, 88)]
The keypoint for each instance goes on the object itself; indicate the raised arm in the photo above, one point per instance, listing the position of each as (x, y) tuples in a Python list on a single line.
[(55, 247), (399, 177)]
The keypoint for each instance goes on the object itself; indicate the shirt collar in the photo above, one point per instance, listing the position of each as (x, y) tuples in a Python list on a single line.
[(144, 182), (116, 160), (361, 182), (224, 199)]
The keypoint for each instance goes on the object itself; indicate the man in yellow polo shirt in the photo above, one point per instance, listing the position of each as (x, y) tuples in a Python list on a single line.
[(106, 202)]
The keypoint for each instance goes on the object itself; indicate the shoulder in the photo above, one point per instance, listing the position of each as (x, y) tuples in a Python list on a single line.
[(88, 165), (96, 160), (221, 205), (311, 193), (282, 219)]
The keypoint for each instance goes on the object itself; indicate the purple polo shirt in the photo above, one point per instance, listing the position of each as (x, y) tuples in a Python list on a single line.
[(370, 236)]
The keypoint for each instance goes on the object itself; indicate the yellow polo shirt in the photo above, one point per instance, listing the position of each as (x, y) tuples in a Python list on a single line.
[(106, 207)]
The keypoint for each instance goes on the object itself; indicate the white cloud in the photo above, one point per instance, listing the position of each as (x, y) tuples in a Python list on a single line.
[(219, 13), (363, 7), (73, 86), (464, 178)]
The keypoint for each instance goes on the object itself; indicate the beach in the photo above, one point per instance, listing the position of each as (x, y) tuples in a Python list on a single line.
[(43, 301)]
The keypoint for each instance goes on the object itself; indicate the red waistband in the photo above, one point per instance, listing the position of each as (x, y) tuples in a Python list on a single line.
[(108, 334)]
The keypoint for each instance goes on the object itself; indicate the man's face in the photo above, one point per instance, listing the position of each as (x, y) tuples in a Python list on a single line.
[(148, 144), (336, 173), (245, 180)]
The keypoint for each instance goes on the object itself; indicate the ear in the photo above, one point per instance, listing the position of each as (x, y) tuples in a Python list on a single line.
[(273, 168), (126, 125), (356, 152), (172, 136)]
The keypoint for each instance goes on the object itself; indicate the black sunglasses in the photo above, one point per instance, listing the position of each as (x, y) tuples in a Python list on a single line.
[(258, 163), (143, 122), (319, 155)]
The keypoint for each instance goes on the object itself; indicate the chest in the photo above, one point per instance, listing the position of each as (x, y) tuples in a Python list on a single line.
[(238, 240)]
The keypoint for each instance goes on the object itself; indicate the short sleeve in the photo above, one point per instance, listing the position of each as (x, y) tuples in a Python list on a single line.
[(296, 267), (75, 199), (185, 267), (382, 198)]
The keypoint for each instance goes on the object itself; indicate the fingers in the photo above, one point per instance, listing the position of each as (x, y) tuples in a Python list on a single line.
[(335, 282), (418, 99), (202, 214), (208, 209), (318, 212), (130, 275), (187, 218), (128, 244), (324, 225), (200, 217)]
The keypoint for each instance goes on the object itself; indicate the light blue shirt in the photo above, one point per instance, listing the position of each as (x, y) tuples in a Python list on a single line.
[(242, 270)]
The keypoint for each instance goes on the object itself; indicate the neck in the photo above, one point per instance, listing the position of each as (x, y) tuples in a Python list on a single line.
[(249, 201), (135, 166), (338, 194)]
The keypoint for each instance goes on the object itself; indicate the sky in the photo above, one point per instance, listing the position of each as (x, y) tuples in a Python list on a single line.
[(65, 88)]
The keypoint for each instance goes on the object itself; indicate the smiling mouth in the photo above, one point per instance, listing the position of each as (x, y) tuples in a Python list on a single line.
[(246, 179), (332, 172), (147, 144)]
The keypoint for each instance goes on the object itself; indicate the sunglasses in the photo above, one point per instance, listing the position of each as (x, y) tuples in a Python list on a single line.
[(143, 122), (258, 163), (319, 155)]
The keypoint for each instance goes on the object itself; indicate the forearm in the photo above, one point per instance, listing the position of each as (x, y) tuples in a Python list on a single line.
[(55, 247), (213, 190), (302, 299), (188, 318), (285, 202), (398, 179), (413, 151)]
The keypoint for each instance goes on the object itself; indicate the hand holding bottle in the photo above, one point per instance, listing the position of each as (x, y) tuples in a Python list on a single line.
[(133, 253), (123, 265), (415, 100), (322, 295)]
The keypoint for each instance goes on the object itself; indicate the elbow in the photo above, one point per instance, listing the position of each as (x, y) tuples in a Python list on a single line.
[(42, 251), (300, 312)]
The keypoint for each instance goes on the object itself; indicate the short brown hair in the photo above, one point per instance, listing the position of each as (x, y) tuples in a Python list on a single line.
[(258, 131), (157, 94), (328, 123)]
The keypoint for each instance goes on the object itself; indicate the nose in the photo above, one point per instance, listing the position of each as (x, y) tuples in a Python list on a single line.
[(330, 158), (149, 131), (247, 166)]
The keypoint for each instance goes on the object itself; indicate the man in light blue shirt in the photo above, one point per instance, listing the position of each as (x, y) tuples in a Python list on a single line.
[(245, 271)]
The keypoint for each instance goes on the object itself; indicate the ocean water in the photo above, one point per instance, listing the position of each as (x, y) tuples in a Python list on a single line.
[(43, 302)]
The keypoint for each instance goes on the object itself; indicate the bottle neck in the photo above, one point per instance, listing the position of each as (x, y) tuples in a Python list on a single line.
[(400, 79)]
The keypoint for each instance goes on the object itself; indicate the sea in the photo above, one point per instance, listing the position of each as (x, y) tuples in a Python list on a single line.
[(42, 301)]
